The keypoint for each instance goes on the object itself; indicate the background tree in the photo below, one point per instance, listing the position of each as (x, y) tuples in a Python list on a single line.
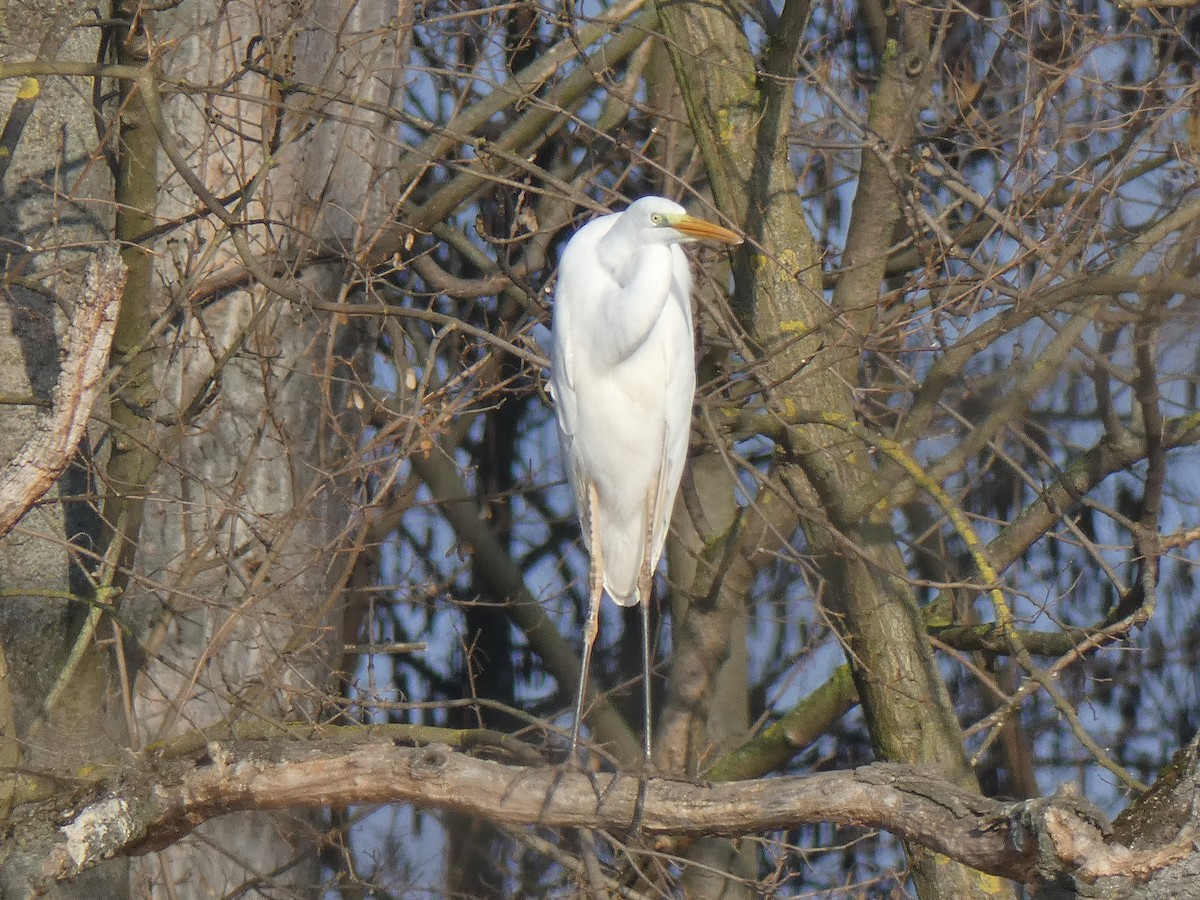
[(940, 509), (189, 573)]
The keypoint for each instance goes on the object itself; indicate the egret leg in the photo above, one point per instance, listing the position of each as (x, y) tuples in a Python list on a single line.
[(646, 596), (595, 594), (646, 718)]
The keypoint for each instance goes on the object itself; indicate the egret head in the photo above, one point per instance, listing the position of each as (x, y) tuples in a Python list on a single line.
[(662, 221)]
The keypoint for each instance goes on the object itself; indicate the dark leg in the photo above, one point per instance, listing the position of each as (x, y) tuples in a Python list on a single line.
[(645, 597), (645, 588), (647, 718)]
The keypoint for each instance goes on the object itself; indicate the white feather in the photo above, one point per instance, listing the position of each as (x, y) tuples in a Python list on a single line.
[(624, 378)]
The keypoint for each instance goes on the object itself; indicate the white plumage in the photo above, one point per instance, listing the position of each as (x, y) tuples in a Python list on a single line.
[(623, 379)]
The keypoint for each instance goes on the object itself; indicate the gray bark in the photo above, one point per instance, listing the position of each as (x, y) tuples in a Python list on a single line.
[(239, 552), (54, 211), (231, 610), (1060, 846)]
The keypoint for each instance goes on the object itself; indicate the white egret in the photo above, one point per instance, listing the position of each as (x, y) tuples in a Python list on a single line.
[(623, 378)]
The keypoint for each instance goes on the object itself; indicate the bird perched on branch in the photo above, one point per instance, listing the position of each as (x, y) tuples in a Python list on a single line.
[(623, 378)]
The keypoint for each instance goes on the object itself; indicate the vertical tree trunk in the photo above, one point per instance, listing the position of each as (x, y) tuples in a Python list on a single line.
[(907, 707), (707, 708), (238, 560), (55, 209), (222, 476), (477, 851)]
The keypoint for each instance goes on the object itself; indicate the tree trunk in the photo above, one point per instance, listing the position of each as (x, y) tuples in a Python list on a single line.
[(222, 476), (238, 567), (57, 696), (908, 710)]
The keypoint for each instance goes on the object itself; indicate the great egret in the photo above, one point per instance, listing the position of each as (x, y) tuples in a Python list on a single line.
[(623, 377)]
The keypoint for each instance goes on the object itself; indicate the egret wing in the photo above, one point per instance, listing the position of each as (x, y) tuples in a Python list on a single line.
[(570, 303), (680, 390)]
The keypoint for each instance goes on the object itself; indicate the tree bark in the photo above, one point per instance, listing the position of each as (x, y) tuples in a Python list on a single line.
[(55, 211), (237, 564), (1059, 846), (779, 285), (223, 484), (50, 447)]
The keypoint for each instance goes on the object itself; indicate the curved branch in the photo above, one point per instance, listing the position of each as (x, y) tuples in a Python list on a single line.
[(50, 447), (148, 807)]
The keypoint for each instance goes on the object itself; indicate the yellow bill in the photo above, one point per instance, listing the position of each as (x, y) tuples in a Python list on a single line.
[(703, 230)]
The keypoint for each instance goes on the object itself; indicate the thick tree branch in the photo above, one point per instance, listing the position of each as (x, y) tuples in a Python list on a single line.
[(151, 805)]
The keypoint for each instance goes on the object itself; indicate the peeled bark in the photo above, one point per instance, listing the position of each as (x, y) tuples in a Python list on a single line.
[(1059, 846)]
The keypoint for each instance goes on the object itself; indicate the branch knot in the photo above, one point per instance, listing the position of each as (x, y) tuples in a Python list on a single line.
[(430, 762)]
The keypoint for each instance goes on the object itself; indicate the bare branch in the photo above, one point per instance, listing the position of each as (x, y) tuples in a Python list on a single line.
[(148, 807), (52, 444)]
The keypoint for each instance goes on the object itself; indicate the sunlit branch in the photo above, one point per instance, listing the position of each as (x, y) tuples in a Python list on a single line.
[(145, 808)]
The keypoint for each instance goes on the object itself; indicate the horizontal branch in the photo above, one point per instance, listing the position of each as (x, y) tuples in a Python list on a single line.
[(151, 805)]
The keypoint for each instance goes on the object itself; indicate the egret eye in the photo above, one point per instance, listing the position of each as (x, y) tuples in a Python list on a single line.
[(624, 378)]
